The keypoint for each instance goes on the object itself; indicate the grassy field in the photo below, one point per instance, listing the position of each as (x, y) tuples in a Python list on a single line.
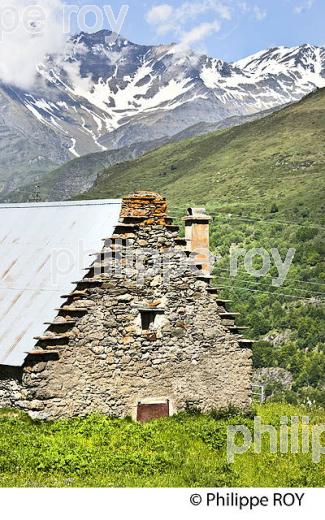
[(186, 450)]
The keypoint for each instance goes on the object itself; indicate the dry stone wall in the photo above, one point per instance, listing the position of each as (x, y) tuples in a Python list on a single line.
[(112, 358), (11, 388)]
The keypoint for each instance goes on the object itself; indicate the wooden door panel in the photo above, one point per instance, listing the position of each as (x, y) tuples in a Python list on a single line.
[(147, 412)]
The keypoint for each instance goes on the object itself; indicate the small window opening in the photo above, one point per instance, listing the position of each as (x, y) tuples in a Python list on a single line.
[(147, 320)]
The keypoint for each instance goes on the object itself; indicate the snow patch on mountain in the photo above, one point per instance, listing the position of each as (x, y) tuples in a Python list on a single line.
[(122, 82), (106, 95), (165, 80), (306, 63)]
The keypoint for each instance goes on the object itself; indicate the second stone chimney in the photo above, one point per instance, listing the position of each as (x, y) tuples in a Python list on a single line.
[(197, 225)]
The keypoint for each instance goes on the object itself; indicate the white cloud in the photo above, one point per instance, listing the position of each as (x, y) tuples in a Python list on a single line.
[(302, 8), (259, 13), (197, 34), (30, 29), (167, 19), (166, 13), (159, 14)]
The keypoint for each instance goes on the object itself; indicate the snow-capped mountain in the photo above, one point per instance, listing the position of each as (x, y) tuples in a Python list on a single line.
[(107, 94)]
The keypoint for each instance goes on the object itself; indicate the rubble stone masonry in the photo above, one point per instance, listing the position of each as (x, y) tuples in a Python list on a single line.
[(134, 332)]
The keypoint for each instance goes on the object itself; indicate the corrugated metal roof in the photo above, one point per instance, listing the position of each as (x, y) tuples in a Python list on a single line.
[(44, 247)]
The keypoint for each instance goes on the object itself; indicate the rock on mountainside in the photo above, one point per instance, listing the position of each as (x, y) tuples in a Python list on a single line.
[(107, 93)]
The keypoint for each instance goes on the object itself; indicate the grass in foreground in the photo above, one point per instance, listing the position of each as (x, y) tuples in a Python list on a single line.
[(183, 451)]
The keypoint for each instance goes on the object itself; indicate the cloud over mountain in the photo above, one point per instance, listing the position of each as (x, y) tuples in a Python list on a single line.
[(29, 31), (192, 22), (106, 95)]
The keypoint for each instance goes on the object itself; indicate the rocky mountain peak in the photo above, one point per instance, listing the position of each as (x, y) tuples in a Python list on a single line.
[(107, 93)]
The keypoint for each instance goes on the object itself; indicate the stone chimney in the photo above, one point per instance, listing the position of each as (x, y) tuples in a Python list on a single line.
[(144, 208), (197, 235)]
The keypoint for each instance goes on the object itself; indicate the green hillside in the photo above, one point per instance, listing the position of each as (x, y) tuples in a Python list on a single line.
[(279, 158), (264, 184), (78, 175)]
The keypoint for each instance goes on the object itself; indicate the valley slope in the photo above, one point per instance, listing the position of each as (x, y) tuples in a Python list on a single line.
[(279, 158), (264, 184), (80, 174)]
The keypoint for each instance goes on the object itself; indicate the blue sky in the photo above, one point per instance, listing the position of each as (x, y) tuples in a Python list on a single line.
[(227, 29)]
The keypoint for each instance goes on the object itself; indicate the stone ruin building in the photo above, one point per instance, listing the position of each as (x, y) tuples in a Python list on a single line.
[(104, 307)]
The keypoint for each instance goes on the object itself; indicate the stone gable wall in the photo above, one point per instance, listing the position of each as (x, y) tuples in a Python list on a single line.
[(110, 364)]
